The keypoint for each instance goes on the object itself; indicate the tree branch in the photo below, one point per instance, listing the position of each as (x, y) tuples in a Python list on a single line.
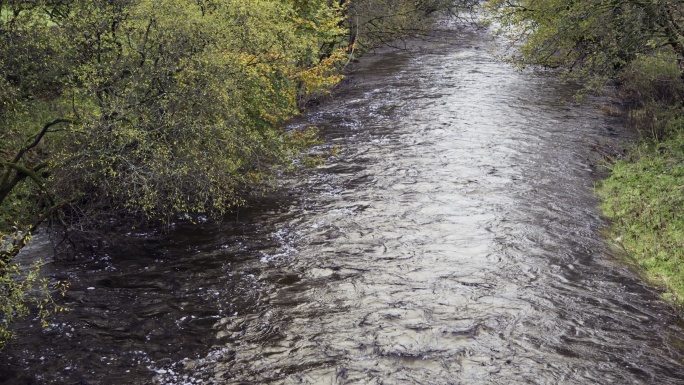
[(5, 178)]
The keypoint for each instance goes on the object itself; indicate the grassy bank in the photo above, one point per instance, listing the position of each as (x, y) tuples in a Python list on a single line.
[(644, 197)]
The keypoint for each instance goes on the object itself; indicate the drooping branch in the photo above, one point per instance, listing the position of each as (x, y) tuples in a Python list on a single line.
[(14, 164), (39, 137), (22, 172), (7, 254)]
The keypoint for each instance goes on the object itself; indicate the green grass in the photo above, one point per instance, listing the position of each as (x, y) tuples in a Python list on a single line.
[(644, 197)]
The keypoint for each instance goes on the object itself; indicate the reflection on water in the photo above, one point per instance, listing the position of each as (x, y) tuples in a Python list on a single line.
[(452, 240)]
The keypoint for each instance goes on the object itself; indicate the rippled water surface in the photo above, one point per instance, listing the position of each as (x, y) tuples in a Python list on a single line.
[(453, 238)]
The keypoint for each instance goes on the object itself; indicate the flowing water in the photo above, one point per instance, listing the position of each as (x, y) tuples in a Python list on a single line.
[(451, 238)]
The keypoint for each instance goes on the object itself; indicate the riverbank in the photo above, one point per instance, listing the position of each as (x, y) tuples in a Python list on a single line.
[(643, 194), (643, 198)]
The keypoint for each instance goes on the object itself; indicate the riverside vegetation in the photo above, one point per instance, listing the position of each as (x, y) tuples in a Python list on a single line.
[(639, 44), (137, 112)]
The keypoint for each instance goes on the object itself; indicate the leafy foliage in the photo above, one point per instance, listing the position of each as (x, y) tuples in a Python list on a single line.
[(593, 38), (21, 286), (654, 79), (147, 109), (171, 107)]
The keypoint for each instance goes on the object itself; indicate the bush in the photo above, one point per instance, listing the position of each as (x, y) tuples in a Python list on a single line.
[(653, 78)]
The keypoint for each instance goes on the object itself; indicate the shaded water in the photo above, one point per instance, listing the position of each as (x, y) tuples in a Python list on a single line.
[(453, 239)]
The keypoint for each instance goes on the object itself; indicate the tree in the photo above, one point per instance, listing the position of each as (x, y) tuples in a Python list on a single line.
[(148, 110), (597, 38), (172, 107)]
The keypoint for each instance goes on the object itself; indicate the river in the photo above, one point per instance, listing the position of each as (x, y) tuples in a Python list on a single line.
[(452, 237)]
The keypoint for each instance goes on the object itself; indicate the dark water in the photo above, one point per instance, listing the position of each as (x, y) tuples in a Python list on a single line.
[(452, 239)]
